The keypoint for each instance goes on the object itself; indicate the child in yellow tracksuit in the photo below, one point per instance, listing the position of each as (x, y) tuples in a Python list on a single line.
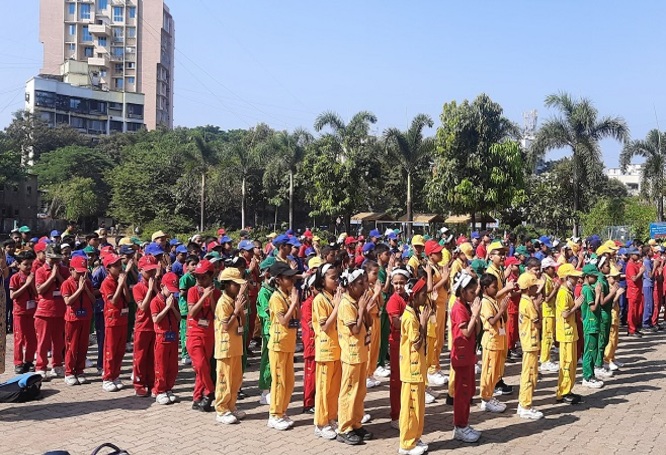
[(283, 308), (550, 287), (376, 303), (567, 332), (413, 368), (328, 370), (611, 347), (494, 342), (354, 357), (438, 284), (528, 320)]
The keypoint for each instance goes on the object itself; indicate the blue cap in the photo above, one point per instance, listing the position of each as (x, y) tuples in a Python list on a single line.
[(374, 233), (280, 239), (475, 235), (79, 253), (545, 240), (631, 251), (175, 242), (126, 249), (622, 251), (34, 239), (294, 242), (55, 233), (368, 247), (247, 245), (289, 232), (406, 254), (310, 251), (224, 239), (182, 249), (392, 236), (153, 249)]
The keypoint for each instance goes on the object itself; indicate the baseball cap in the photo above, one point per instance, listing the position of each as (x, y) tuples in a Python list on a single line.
[(212, 245), (154, 249), (175, 242), (55, 233), (368, 247), (148, 263), (224, 239), (614, 271), (545, 240), (315, 262), (53, 252), (91, 250), (181, 249), (548, 262), (232, 274), (293, 241), (24, 230), (521, 251), (213, 257), (497, 245), (475, 235), (106, 251), (511, 260), (467, 249), (110, 259), (280, 268), (78, 263), (157, 235), (374, 233), (221, 231), (247, 245), (125, 249), (203, 267), (590, 269), (392, 236), (271, 236), (35, 240), (41, 246), (479, 266), (308, 234), (566, 270), (267, 263), (418, 240), (527, 280), (170, 281), (280, 240), (349, 241), (125, 241), (432, 247)]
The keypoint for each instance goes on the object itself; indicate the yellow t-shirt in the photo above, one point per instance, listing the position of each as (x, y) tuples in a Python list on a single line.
[(548, 306), (353, 349), (441, 295), (413, 366), (414, 263), (566, 329), (529, 331), (446, 258), (497, 273), (327, 346), (374, 312), (457, 266), (282, 338), (227, 344), (494, 335)]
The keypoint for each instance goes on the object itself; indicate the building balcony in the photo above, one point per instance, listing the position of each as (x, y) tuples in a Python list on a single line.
[(99, 29), (98, 61)]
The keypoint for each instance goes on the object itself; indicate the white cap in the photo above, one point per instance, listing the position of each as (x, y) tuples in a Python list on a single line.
[(548, 262)]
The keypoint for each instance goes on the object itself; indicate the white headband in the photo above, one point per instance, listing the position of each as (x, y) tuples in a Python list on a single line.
[(402, 272), (462, 279), (351, 276), (325, 268), (601, 261)]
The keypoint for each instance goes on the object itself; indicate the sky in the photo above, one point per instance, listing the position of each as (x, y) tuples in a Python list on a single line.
[(283, 63)]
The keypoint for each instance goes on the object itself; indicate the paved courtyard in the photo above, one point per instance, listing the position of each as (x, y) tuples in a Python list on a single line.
[(627, 416)]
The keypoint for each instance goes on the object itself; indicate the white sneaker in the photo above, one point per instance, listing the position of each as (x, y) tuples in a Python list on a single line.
[(163, 398), (43, 374), (89, 363), (333, 424), (555, 350), (593, 383), (240, 415), (371, 383), (466, 434), (417, 450), (531, 413), (395, 424), (366, 418), (444, 375), (265, 397), (436, 379), (279, 424), (549, 367), (71, 380), (429, 399), (288, 419), (109, 386), (492, 405), (118, 383), (612, 366), (382, 372), (420, 443), (81, 379), (618, 364), (325, 432), (432, 392), (172, 398), (186, 361), (477, 369), (601, 373), (228, 418), (52, 373)]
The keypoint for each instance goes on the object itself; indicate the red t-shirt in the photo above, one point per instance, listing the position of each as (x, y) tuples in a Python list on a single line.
[(115, 315), (26, 303), (50, 303), (168, 324), (634, 288), (36, 264), (463, 349), (481, 251), (514, 297), (307, 332), (143, 321), (82, 308), (202, 323), (394, 308)]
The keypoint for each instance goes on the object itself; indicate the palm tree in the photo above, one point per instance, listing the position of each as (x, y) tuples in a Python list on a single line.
[(201, 159), (411, 150), (652, 173), (350, 137), (578, 128), (289, 152)]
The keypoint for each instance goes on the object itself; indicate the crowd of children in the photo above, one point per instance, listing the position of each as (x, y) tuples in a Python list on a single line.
[(363, 310)]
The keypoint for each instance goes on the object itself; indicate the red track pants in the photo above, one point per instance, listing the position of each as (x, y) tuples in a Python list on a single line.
[(76, 346), (25, 339), (512, 330), (465, 386), (115, 338), (144, 360), (166, 365), (309, 381), (201, 350), (635, 311), (50, 336)]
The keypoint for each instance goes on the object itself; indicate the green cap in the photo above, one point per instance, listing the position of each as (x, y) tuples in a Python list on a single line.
[(136, 241), (91, 250), (24, 230), (426, 237), (521, 250), (267, 263), (590, 269), (213, 255), (479, 266)]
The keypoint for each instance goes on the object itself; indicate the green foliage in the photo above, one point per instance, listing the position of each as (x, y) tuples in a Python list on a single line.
[(79, 198), (629, 211)]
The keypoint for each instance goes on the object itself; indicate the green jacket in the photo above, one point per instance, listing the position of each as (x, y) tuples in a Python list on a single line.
[(591, 319), (263, 299), (186, 282)]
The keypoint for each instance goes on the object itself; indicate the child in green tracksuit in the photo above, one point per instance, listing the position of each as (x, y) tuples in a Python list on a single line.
[(592, 293), (264, 318), (184, 285)]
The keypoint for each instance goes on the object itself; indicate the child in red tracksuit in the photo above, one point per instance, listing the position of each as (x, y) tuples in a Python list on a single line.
[(77, 291), (144, 331), (24, 296), (201, 301), (308, 337), (166, 319), (116, 296)]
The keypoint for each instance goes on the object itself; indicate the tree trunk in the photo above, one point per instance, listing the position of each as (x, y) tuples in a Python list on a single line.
[(243, 191), (291, 199), (203, 200), (576, 191), (276, 216), (660, 202), (409, 205), (473, 219)]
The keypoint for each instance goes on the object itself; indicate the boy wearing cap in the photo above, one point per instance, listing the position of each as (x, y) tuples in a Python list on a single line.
[(634, 274), (528, 319), (201, 301), (50, 313), (592, 294), (23, 293), (184, 284), (178, 264), (78, 294), (438, 284), (611, 347), (166, 318), (116, 297), (263, 299), (144, 329), (418, 244), (566, 332), (550, 289)]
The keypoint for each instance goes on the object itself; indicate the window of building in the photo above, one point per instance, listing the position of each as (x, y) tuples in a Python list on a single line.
[(119, 83), (115, 106), (71, 30), (118, 14), (71, 9), (131, 49), (131, 12), (131, 80), (88, 52), (96, 126), (117, 51), (116, 126), (131, 65), (71, 50), (62, 102), (102, 4), (87, 37), (131, 32), (97, 107), (102, 41), (134, 110), (118, 67), (131, 126), (78, 105), (117, 34), (84, 11), (45, 99), (77, 122)]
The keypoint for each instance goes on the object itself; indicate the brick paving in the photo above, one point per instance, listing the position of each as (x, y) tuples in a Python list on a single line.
[(627, 416)]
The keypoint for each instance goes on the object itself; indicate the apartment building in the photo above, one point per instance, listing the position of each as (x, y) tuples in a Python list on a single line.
[(128, 46), (631, 177)]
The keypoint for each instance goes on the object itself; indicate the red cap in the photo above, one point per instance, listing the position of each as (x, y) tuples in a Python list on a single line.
[(511, 260), (110, 259), (148, 263), (358, 260), (212, 245), (43, 239), (460, 240), (203, 267), (106, 251), (418, 286), (308, 234), (170, 280), (41, 246), (79, 263), (360, 238), (349, 241), (221, 231), (432, 246)]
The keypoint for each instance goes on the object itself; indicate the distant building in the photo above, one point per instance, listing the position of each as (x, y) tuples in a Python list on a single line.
[(19, 204), (631, 178)]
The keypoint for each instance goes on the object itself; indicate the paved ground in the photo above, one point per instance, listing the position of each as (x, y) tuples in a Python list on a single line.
[(627, 416)]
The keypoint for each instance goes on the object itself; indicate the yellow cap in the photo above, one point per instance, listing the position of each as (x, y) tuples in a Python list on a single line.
[(614, 271), (467, 249), (157, 235), (527, 280), (272, 235), (418, 240), (652, 242), (125, 241), (611, 245), (566, 270), (232, 274), (603, 249), (497, 245), (315, 262)]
